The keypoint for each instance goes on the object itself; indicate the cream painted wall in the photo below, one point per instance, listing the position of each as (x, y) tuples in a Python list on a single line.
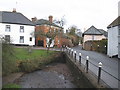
[(96, 37)]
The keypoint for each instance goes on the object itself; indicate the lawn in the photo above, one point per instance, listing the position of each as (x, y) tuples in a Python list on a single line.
[(23, 61), (23, 54)]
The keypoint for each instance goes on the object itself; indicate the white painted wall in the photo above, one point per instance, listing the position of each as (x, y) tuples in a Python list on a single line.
[(52, 44), (15, 33), (112, 41)]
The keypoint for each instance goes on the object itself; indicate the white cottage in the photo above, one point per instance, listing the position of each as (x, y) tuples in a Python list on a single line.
[(16, 27), (114, 38)]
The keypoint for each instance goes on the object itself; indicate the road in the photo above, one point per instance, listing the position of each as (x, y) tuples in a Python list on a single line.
[(109, 73)]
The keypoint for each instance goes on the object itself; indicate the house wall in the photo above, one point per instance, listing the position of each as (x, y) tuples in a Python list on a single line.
[(112, 41), (119, 41), (15, 33), (90, 37)]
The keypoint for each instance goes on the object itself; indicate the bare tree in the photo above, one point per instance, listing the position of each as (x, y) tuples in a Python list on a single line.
[(51, 34)]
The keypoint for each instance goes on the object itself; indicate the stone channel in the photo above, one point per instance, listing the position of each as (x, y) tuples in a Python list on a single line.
[(55, 75)]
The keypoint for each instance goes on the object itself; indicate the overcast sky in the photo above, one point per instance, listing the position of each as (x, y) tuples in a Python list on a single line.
[(82, 13)]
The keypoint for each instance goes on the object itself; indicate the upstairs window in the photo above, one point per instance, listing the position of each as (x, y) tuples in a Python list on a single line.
[(21, 29), (7, 29), (21, 39)]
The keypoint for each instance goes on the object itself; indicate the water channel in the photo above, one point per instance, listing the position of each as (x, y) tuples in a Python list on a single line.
[(55, 75)]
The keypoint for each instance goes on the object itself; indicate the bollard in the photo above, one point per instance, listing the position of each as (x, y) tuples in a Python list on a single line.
[(69, 50), (75, 55), (87, 64), (99, 72), (80, 58), (72, 52)]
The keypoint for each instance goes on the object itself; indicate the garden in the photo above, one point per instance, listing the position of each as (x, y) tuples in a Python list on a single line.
[(15, 60)]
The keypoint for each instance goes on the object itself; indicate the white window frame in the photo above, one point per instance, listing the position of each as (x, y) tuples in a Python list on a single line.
[(7, 28), (22, 29), (21, 39)]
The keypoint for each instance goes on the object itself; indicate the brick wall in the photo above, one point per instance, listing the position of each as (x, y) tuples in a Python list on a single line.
[(46, 28)]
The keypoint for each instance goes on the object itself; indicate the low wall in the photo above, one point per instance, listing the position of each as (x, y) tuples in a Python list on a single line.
[(83, 79)]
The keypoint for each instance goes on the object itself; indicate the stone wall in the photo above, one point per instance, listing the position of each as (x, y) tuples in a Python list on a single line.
[(83, 79)]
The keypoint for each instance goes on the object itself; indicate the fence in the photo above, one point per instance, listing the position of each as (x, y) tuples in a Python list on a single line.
[(101, 74)]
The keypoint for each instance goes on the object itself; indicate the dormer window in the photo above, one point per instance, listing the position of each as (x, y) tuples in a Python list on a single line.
[(22, 29), (7, 29)]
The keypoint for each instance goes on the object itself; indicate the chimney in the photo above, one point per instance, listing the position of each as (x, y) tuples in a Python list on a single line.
[(14, 9), (51, 19), (34, 19)]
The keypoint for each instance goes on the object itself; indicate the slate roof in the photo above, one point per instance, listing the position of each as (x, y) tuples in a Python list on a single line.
[(14, 18), (94, 31), (116, 22), (47, 22)]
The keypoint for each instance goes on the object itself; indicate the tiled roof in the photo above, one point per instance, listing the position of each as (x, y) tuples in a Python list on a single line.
[(94, 31), (116, 22), (47, 22), (14, 18)]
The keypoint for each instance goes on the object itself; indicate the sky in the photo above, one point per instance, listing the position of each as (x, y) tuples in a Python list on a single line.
[(81, 13)]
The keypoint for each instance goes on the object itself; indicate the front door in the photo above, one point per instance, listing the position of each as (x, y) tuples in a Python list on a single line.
[(40, 43)]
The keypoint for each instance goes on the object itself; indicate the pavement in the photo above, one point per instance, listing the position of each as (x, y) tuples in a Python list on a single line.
[(109, 72)]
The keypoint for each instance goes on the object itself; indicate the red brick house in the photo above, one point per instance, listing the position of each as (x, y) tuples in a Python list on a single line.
[(47, 25)]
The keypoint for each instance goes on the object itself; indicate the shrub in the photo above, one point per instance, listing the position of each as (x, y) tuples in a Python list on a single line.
[(8, 63), (98, 45), (35, 64)]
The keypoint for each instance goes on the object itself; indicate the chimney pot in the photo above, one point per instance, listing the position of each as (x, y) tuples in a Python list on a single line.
[(14, 9), (51, 19), (34, 19)]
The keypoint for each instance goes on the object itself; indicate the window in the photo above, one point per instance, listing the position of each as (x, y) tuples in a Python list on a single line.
[(21, 39), (7, 29), (7, 38), (21, 29), (30, 38)]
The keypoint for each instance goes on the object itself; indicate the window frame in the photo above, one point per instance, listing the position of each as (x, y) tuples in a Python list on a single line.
[(7, 28), (21, 29), (21, 38)]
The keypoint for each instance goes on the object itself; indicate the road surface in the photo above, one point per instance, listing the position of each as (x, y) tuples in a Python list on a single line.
[(109, 72)]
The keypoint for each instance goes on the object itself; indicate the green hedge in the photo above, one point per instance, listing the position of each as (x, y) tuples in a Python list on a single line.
[(98, 45)]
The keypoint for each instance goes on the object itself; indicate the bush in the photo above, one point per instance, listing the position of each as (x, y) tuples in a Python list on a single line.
[(8, 60), (99, 46), (35, 64)]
